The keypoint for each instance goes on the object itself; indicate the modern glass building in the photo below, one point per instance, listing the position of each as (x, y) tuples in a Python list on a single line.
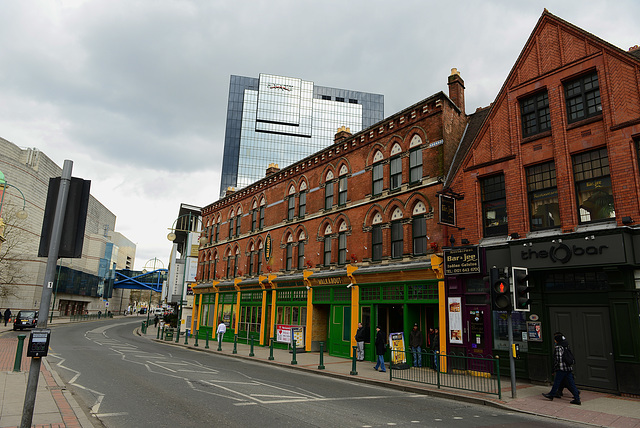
[(281, 120)]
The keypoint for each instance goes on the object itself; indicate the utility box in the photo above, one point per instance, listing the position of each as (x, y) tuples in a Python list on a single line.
[(39, 343)]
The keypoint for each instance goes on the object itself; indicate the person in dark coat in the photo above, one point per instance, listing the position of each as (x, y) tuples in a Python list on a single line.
[(435, 347), (360, 336), (563, 371), (380, 349), (155, 321), (415, 342), (7, 316)]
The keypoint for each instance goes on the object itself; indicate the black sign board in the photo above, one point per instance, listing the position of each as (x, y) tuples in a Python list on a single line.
[(447, 206), (462, 260)]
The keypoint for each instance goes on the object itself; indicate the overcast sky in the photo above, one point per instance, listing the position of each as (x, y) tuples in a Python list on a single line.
[(135, 92)]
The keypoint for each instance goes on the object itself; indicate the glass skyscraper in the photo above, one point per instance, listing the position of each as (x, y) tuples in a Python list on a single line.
[(281, 120)]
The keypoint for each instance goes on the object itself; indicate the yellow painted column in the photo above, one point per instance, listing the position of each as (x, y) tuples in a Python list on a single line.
[(355, 305), (264, 309), (199, 313), (215, 316), (437, 264), (236, 319), (270, 278), (307, 338)]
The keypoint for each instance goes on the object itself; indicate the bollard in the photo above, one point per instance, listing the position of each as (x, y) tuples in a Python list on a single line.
[(219, 342), (186, 337), (272, 339), (162, 335), (321, 366), (143, 332), (353, 361), (158, 335), (18, 362), (206, 341), (251, 354), (196, 342), (235, 344), (178, 332), (293, 361)]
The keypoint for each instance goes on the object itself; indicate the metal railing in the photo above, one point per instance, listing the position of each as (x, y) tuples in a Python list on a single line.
[(468, 373), (90, 317)]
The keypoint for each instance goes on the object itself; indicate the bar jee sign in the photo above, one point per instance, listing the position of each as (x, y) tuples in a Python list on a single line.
[(463, 260)]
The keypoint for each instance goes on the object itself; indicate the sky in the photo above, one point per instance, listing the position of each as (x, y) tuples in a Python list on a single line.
[(135, 92)]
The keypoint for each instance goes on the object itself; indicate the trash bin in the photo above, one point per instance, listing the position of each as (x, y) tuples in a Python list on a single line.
[(168, 334)]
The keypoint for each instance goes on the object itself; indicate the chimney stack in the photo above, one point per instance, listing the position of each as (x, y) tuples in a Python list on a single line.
[(230, 191), (342, 134), (456, 89), (272, 169)]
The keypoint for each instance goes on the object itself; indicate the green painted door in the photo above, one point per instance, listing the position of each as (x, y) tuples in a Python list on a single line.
[(340, 331)]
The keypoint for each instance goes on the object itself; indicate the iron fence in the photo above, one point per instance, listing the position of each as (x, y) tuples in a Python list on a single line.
[(468, 373)]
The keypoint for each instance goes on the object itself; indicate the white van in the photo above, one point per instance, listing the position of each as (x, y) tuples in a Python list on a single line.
[(158, 311)]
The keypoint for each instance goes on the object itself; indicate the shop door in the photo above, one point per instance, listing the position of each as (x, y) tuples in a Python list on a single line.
[(588, 331), (340, 331), (476, 331)]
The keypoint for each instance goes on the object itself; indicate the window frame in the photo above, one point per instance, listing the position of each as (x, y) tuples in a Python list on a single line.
[(342, 248), (397, 239), (300, 254), (603, 178), (377, 183), (302, 204), (289, 256), (498, 201), (415, 167), (395, 178), (535, 117), (376, 242), (342, 191), (541, 186), (326, 255), (328, 195), (291, 207), (420, 240), (585, 92)]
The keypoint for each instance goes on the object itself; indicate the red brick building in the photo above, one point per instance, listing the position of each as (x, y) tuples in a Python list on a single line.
[(547, 179), (345, 235)]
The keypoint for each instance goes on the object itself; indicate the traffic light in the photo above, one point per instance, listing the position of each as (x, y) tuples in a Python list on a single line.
[(500, 297), (521, 300)]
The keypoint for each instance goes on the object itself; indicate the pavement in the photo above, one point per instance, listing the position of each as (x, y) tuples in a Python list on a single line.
[(56, 406)]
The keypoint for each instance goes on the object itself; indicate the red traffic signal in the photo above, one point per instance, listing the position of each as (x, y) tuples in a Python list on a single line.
[(500, 291)]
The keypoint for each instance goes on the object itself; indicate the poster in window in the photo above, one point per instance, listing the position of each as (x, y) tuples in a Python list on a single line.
[(455, 320)]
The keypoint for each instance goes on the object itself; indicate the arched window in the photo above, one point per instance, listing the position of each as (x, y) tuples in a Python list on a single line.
[(238, 216), (228, 273), (395, 167), (342, 186), (252, 254), (261, 213), (415, 160), (235, 263), (377, 174), (254, 215), (328, 191), (342, 244), (217, 231), (301, 239), (291, 207), (289, 253), (376, 238), (397, 243), (302, 205), (419, 229), (326, 260), (259, 258), (231, 218), (215, 266)]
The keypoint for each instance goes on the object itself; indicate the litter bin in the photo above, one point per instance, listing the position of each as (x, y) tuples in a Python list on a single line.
[(168, 334)]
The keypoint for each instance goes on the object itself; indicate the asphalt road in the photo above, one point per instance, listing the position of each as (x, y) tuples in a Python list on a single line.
[(124, 380)]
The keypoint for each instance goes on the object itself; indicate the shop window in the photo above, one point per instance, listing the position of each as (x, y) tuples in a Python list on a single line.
[(494, 205), (543, 196), (534, 112), (593, 186), (583, 97)]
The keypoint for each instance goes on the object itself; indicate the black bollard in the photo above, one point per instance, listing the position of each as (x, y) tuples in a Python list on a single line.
[(206, 341), (235, 344), (294, 353), (271, 348), (178, 333), (158, 335), (353, 362), (196, 342), (162, 335), (321, 366), (186, 337), (251, 354)]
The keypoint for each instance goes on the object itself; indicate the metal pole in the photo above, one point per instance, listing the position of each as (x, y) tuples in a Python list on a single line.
[(353, 362), (294, 361), (55, 291), (45, 300), (321, 366), (512, 362), (18, 361)]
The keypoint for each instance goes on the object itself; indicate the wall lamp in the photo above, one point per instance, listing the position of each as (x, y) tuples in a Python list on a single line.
[(515, 235), (627, 220)]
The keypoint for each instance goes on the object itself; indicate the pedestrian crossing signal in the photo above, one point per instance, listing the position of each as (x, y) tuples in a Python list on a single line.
[(521, 299), (500, 292)]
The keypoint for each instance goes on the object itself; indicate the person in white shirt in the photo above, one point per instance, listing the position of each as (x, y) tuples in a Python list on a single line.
[(222, 329)]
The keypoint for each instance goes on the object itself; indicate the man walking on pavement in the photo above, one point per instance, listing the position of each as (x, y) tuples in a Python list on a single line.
[(222, 329), (415, 342), (360, 342), (380, 350), (563, 369), (7, 316)]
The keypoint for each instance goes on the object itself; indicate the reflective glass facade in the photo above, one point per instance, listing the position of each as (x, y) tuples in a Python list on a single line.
[(281, 120)]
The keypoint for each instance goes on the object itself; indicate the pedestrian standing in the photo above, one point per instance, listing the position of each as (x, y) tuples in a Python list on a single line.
[(380, 350), (563, 369), (415, 342), (435, 344), (222, 329), (7, 316), (360, 336), (155, 321)]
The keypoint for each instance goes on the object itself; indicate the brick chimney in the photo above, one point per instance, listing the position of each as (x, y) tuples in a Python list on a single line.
[(456, 89), (272, 169), (342, 134), (230, 191)]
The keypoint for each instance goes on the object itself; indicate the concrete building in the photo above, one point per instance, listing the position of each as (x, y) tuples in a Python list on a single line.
[(280, 120), (547, 179), (82, 284), (347, 234)]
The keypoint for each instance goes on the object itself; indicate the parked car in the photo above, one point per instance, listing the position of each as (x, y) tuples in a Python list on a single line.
[(142, 311), (25, 319)]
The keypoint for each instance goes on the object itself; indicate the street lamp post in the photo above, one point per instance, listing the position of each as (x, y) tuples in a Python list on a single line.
[(144, 270), (20, 214), (191, 220)]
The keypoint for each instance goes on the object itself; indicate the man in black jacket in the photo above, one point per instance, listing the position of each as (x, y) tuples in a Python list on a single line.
[(415, 342), (380, 349), (360, 336), (563, 371)]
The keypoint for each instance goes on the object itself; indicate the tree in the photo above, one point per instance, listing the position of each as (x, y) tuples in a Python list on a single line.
[(12, 254)]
